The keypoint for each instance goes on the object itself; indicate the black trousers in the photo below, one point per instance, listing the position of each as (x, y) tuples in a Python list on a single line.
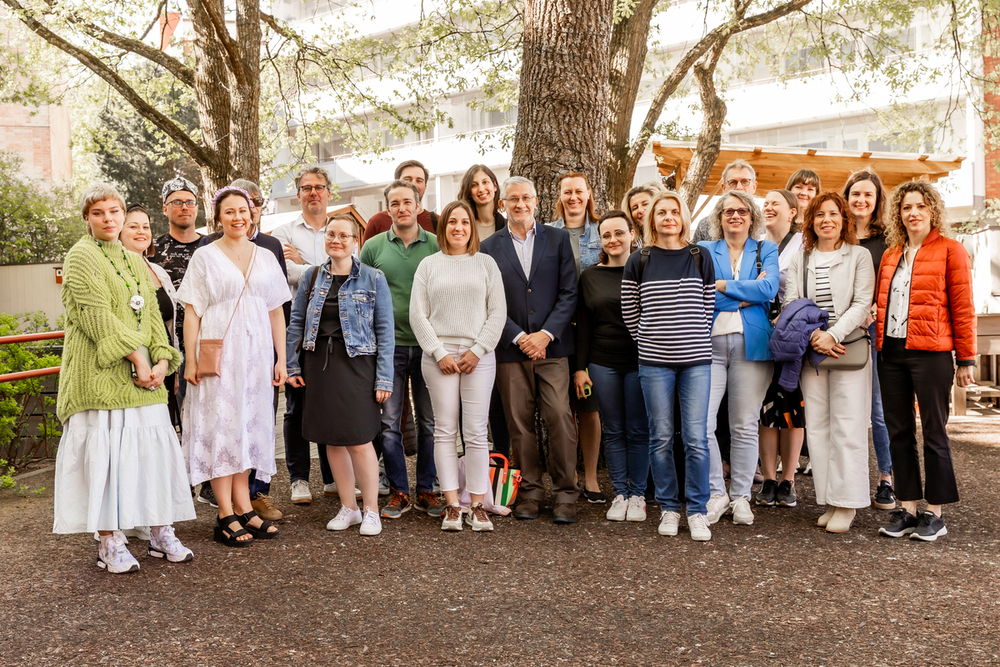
[(902, 374)]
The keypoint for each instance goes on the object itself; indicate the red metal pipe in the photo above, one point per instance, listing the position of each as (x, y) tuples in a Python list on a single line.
[(27, 375), (31, 338)]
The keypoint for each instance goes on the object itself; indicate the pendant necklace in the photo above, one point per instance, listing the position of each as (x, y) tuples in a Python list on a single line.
[(136, 302)]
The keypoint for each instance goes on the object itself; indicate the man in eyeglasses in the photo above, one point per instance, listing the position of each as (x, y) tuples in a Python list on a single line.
[(738, 175), (304, 245)]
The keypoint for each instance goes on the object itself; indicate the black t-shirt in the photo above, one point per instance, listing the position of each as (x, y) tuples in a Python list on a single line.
[(174, 257), (601, 335), (329, 321)]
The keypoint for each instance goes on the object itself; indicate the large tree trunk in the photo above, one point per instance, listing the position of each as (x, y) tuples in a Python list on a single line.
[(713, 116), (628, 56), (563, 102)]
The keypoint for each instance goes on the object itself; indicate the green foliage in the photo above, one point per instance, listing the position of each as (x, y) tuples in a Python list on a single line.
[(13, 395), (35, 226)]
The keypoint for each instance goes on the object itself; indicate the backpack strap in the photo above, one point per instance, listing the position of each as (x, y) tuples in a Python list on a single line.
[(759, 264), (643, 260), (805, 273), (312, 282)]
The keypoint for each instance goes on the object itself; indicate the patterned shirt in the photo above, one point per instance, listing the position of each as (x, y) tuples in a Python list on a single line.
[(174, 257)]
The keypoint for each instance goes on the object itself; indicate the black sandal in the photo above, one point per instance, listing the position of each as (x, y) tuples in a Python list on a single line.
[(260, 533), (225, 535)]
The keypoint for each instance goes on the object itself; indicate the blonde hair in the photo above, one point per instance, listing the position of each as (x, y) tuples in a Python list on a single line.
[(99, 192), (895, 231), (756, 217), (650, 236)]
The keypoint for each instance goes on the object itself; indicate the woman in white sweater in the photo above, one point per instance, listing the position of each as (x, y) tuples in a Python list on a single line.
[(457, 310)]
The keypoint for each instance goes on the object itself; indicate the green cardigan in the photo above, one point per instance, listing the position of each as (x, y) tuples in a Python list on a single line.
[(101, 331)]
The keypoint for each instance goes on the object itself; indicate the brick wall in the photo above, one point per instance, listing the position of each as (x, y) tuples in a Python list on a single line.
[(40, 136)]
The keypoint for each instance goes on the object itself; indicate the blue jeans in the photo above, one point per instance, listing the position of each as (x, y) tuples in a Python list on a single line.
[(406, 370), (693, 385), (880, 435), (626, 428)]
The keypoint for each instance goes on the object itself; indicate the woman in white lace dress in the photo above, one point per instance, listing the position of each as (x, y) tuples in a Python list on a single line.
[(229, 418)]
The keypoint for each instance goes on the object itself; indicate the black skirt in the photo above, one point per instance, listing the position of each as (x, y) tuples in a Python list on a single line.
[(782, 409), (340, 407)]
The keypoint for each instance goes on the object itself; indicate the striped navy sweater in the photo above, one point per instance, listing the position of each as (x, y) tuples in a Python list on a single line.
[(668, 310)]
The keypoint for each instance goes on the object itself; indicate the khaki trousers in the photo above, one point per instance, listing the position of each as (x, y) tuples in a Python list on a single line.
[(525, 385)]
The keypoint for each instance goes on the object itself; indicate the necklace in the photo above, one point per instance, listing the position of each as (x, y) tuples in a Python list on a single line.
[(239, 255), (136, 302)]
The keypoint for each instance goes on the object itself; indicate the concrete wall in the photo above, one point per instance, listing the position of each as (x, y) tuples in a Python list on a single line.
[(984, 252), (29, 288)]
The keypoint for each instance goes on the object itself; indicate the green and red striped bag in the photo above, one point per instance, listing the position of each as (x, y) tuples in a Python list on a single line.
[(504, 480)]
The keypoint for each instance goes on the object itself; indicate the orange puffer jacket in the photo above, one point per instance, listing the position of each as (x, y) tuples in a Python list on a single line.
[(941, 317)]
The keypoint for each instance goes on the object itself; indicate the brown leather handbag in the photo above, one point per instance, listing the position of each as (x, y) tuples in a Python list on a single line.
[(210, 349)]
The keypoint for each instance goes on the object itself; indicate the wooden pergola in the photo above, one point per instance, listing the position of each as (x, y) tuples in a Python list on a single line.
[(774, 165)]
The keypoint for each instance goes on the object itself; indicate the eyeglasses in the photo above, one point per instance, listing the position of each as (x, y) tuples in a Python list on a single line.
[(257, 201), (343, 238), (514, 201), (733, 183), (730, 212), (183, 203), (309, 189), (618, 234)]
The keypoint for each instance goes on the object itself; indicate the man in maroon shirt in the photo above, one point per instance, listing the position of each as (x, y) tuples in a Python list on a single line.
[(414, 172)]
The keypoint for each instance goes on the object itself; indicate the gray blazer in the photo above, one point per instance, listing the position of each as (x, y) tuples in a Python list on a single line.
[(852, 282)]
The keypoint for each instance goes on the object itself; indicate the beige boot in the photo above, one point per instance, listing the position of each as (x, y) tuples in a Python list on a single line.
[(825, 519), (841, 520)]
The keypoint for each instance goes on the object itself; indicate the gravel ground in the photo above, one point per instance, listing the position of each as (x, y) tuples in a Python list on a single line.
[(780, 592)]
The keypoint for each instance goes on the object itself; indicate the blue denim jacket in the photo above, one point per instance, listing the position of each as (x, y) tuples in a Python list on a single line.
[(590, 242), (365, 317)]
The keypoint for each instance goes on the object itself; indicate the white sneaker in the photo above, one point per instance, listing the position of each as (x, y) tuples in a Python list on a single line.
[(742, 515), (345, 519), (330, 491), (370, 523), (114, 556), (301, 495), (717, 506), (164, 544), (669, 522), (618, 510), (636, 509), (452, 518), (698, 525), (478, 518)]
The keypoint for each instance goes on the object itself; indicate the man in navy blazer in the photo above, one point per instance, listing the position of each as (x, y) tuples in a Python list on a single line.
[(539, 279)]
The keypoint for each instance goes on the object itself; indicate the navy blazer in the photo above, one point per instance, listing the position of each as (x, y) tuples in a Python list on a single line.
[(545, 299)]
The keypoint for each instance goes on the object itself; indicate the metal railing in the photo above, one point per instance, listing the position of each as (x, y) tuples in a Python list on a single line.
[(30, 338)]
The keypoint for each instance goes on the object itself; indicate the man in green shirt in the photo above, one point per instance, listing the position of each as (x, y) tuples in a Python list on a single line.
[(396, 253)]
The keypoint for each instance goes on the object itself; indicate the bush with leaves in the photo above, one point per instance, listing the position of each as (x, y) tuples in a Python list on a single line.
[(23, 357), (36, 225)]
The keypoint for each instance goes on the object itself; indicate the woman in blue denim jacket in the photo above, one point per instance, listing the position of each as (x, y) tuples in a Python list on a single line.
[(341, 342)]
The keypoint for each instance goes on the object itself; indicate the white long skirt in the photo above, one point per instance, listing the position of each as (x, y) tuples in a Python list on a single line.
[(118, 469)]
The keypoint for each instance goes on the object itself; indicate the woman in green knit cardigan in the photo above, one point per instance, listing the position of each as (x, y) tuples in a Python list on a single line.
[(119, 463)]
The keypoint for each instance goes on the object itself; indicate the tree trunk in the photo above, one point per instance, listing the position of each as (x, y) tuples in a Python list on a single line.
[(710, 136), (563, 103), (628, 55)]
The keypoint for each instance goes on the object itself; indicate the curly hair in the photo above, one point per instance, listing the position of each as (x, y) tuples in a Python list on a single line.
[(756, 217), (895, 231), (847, 231), (877, 225)]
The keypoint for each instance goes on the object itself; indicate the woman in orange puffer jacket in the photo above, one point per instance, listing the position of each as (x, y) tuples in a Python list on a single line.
[(926, 324)]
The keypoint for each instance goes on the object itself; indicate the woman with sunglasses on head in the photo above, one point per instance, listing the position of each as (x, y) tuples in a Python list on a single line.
[(342, 323), (576, 213), (926, 327), (867, 199), (747, 279), (668, 295), (118, 466), (782, 415), (837, 275), (458, 311), (235, 293), (607, 363)]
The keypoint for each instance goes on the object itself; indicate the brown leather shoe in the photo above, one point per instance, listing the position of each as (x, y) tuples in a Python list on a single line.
[(526, 509), (564, 513), (265, 509)]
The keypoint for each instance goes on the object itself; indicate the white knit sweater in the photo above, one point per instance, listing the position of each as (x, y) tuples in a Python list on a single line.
[(458, 299)]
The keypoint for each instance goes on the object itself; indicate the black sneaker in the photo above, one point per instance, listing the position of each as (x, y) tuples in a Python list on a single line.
[(885, 499), (900, 523), (929, 527), (207, 496), (596, 497), (785, 496), (767, 492)]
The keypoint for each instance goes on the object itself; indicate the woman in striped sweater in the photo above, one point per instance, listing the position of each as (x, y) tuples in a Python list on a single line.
[(668, 296)]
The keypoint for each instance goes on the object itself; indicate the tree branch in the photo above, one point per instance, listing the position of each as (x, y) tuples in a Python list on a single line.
[(96, 65), (723, 32), (710, 136), (228, 43)]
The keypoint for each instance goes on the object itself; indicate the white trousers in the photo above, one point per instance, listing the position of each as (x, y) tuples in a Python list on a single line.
[(838, 406), (470, 394)]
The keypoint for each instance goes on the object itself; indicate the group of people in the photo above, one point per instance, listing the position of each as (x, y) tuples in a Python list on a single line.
[(635, 327)]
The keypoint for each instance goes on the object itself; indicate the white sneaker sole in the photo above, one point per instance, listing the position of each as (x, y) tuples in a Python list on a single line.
[(301, 500), (156, 553), (341, 526), (929, 538), (113, 570)]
